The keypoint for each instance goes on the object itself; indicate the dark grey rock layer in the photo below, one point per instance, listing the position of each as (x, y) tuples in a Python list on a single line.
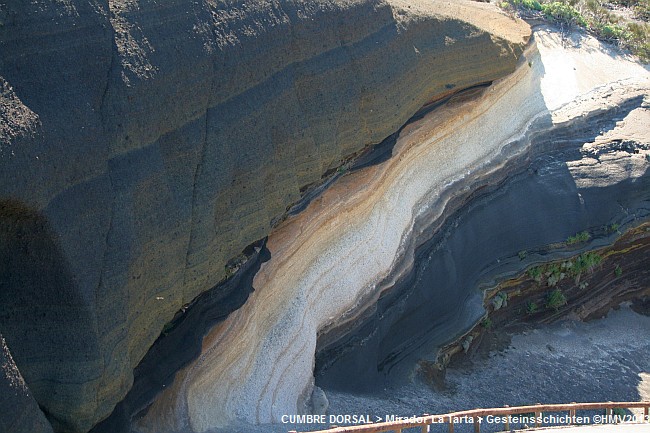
[(182, 339), (531, 203)]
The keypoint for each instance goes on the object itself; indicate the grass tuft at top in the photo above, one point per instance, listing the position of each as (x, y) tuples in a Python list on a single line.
[(621, 22)]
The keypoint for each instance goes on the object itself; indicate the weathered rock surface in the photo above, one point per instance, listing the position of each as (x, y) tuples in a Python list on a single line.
[(325, 264), (21, 413), (143, 144), (331, 263)]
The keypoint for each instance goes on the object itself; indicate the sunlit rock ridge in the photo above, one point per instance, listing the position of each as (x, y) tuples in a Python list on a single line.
[(144, 144)]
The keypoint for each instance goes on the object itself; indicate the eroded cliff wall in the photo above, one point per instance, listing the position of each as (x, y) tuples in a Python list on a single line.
[(143, 144), (389, 263)]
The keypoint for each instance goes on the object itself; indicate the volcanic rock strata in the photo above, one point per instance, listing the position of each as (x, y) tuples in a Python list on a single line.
[(327, 260), (335, 264), (144, 144), (495, 226)]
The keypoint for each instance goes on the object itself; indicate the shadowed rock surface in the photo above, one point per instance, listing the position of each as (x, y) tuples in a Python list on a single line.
[(151, 142), (22, 414), (181, 340)]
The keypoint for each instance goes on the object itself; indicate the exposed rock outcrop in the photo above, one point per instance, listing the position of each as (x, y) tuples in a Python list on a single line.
[(144, 144), (326, 262), (331, 263)]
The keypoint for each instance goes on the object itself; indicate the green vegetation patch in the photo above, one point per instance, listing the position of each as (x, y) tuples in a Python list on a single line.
[(575, 268), (531, 307), (555, 300), (486, 323), (618, 271), (535, 273), (578, 238), (564, 13), (628, 30)]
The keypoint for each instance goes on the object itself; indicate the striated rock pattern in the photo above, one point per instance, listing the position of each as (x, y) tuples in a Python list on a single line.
[(331, 263), (325, 264), (498, 225), (143, 144)]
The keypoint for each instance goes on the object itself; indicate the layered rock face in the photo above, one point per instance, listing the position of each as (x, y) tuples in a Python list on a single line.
[(326, 263), (333, 265), (144, 144)]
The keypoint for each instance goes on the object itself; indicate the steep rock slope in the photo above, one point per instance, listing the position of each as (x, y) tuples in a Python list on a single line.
[(330, 264), (326, 263), (144, 144)]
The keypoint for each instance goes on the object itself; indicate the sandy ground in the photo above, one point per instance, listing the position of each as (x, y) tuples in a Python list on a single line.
[(577, 63)]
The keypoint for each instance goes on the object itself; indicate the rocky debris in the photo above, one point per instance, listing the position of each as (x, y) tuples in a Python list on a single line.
[(319, 402)]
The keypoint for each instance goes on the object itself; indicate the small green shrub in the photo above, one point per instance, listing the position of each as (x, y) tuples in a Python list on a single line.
[(486, 323), (614, 227), (563, 13), (638, 41), (555, 299), (500, 300), (618, 271), (583, 263), (522, 255), (611, 31), (587, 262), (531, 4), (535, 273), (554, 274), (553, 279), (531, 307), (578, 237)]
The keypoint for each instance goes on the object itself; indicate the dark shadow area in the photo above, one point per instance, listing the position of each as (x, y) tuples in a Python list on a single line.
[(47, 323), (181, 340)]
